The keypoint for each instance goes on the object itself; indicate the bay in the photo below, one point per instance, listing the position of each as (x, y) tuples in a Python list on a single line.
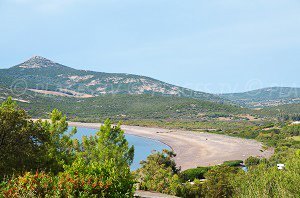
[(142, 146)]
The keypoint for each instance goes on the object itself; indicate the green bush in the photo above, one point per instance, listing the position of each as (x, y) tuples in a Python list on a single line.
[(233, 163), (29, 185), (252, 161), (190, 190), (194, 173), (96, 180)]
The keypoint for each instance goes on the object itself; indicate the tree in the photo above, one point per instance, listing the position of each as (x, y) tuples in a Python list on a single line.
[(217, 182), (60, 145), (22, 142), (104, 159), (26, 145), (159, 173), (109, 143)]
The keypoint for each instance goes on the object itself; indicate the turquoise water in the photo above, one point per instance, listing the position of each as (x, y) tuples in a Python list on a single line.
[(142, 146)]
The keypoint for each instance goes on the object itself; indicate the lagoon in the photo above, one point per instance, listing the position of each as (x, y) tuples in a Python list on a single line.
[(142, 146)]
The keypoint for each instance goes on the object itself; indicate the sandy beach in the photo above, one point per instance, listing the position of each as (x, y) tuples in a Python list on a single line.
[(196, 148)]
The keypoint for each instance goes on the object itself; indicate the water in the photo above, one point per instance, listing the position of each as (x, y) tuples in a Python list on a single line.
[(142, 146)]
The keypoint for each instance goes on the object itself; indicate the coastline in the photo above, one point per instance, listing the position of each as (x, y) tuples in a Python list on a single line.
[(195, 148), (97, 126)]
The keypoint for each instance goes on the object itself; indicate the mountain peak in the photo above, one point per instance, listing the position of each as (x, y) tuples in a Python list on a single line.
[(37, 62), (34, 58)]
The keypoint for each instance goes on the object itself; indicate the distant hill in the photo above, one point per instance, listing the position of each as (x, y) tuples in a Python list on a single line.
[(266, 97), (45, 76)]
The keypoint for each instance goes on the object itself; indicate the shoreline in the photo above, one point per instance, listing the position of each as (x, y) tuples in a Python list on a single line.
[(194, 149), (87, 125)]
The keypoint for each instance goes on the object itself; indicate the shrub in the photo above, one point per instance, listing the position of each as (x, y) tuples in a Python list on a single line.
[(190, 190), (233, 163), (252, 161), (96, 179), (194, 173), (217, 182), (29, 185), (159, 173)]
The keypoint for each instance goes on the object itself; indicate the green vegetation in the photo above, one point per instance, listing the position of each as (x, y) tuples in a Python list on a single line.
[(228, 180), (194, 173), (159, 173), (265, 181), (233, 163), (123, 107), (21, 144), (218, 183), (199, 172), (296, 138), (40, 159), (284, 112), (252, 161)]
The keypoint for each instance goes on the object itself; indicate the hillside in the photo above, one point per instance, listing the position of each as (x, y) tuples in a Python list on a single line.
[(121, 106), (266, 97), (292, 110), (40, 74)]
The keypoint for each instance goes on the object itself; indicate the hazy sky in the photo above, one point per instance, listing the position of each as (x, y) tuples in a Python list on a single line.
[(208, 45)]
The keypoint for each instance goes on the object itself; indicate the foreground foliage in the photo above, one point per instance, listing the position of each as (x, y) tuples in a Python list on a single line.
[(264, 181), (52, 164)]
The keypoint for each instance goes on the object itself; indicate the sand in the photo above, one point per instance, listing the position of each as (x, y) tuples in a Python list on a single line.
[(196, 148)]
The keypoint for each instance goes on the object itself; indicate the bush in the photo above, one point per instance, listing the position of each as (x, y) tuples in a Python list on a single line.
[(218, 182), (252, 161), (190, 190), (97, 179), (29, 185), (194, 173), (233, 163)]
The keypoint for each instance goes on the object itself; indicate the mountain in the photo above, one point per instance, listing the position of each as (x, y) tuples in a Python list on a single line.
[(266, 97), (44, 76)]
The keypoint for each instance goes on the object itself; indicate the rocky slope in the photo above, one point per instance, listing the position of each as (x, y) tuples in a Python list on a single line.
[(41, 74)]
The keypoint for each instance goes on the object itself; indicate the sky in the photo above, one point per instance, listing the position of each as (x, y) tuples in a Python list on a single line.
[(216, 46)]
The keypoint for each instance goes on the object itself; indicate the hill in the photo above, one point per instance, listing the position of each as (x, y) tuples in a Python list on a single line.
[(45, 76), (121, 106), (266, 97), (290, 110)]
